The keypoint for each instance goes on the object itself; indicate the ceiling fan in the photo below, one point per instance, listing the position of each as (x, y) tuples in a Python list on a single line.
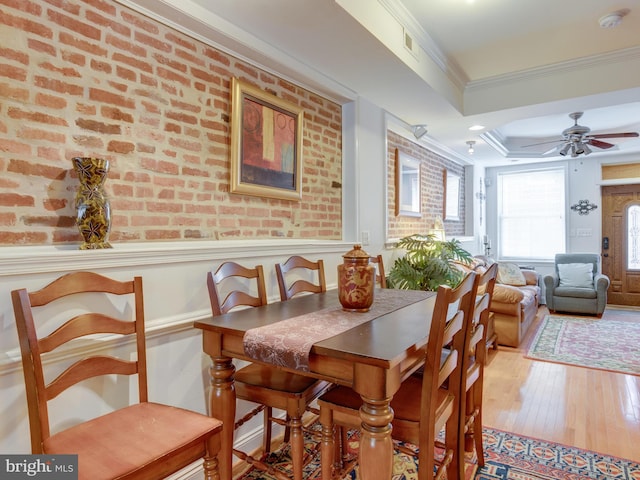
[(577, 139)]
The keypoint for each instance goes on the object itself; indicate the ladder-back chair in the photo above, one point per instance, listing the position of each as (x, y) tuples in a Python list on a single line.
[(378, 262), (473, 365), (137, 441), (425, 404), (289, 289), (268, 386)]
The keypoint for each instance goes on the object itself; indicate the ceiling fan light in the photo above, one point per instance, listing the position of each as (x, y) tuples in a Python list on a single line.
[(565, 149), (585, 149), (574, 151)]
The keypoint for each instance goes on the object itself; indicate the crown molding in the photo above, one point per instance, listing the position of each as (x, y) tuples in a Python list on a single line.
[(617, 57)]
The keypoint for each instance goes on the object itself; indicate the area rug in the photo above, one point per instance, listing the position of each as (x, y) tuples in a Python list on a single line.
[(507, 457), (605, 344)]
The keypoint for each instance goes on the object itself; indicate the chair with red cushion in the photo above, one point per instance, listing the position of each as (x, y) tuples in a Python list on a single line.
[(134, 441), (425, 404), (290, 286), (378, 262), (234, 285), (473, 365)]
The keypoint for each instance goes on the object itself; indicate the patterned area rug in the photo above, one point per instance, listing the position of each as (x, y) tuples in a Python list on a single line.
[(607, 344), (507, 457)]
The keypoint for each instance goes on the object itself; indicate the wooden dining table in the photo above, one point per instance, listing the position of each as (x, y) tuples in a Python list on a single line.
[(372, 355)]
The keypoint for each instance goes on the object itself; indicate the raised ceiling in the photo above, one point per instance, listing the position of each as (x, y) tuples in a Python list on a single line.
[(517, 67)]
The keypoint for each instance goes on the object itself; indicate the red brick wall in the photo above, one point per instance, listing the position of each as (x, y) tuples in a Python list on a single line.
[(93, 78), (432, 189)]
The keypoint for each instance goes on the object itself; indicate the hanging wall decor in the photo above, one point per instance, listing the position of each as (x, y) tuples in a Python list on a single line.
[(583, 207), (266, 143), (93, 211)]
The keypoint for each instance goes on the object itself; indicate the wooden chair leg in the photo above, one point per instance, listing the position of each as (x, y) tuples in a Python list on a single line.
[(453, 443), (266, 439), (287, 429), (211, 464), (477, 424), (467, 431), (343, 433)]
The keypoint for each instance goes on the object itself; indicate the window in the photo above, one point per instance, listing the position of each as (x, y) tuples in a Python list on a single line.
[(451, 196), (408, 185), (531, 213)]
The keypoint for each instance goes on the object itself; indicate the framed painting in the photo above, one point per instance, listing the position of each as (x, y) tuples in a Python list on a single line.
[(266, 143), (408, 185)]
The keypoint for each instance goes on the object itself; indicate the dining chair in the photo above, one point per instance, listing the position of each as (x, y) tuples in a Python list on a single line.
[(425, 404), (378, 262), (136, 441), (473, 363), (231, 286), (290, 286)]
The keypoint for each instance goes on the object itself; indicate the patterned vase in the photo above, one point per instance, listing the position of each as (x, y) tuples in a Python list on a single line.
[(92, 205), (356, 281)]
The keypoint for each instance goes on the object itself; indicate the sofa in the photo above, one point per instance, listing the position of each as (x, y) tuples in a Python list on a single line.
[(515, 302)]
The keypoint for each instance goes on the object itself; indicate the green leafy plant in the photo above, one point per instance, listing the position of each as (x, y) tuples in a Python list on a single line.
[(427, 263)]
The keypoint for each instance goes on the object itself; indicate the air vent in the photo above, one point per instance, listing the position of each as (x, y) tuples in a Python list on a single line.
[(409, 43)]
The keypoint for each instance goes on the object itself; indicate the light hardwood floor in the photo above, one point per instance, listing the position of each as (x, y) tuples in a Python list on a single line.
[(586, 408)]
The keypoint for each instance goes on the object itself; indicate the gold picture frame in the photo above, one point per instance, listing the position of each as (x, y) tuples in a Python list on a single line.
[(266, 143)]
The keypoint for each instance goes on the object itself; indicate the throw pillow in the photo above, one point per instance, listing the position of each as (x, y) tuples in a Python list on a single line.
[(578, 275), (510, 274)]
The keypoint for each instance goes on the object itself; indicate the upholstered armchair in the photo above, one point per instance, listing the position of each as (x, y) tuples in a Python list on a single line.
[(577, 286)]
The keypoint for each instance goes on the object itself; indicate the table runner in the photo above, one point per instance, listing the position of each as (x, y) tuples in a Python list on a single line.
[(288, 343)]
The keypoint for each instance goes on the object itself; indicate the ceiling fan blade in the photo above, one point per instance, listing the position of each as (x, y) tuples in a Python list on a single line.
[(542, 143), (615, 135), (599, 144)]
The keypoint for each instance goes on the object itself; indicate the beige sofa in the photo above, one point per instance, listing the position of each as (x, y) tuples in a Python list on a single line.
[(513, 307)]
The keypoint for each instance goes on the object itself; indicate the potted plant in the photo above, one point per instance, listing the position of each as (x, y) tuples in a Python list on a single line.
[(427, 263)]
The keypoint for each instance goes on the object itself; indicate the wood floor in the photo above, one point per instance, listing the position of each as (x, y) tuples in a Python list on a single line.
[(590, 409), (581, 407)]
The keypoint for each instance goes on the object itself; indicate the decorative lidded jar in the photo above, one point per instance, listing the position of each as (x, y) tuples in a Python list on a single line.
[(356, 281)]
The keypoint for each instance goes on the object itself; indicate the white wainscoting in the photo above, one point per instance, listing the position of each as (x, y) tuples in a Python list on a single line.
[(174, 279)]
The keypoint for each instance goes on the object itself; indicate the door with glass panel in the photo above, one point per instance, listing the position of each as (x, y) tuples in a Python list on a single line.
[(621, 243)]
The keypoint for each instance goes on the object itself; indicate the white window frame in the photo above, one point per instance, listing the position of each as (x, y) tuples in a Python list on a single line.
[(531, 170)]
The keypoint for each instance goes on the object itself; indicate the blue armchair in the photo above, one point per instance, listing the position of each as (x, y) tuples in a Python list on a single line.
[(577, 285)]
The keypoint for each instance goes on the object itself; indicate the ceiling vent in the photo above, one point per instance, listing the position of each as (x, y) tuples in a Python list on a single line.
[(408, 42)]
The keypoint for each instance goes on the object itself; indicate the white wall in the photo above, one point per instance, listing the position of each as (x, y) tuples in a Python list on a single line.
[(174, 279)]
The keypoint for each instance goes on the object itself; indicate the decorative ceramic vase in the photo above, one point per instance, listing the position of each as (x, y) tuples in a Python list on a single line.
[(93, 212), (356, 281)]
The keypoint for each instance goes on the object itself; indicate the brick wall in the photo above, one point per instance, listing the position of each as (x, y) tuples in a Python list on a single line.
[(432, 190), (93, 78)]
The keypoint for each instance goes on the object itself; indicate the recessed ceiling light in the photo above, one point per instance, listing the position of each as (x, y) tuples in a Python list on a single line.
[(474, 128)]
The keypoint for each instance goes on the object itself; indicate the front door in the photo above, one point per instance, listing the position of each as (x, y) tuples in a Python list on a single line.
[(621, 243)]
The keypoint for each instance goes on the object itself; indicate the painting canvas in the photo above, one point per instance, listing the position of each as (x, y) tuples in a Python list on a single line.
[(266, 138)]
